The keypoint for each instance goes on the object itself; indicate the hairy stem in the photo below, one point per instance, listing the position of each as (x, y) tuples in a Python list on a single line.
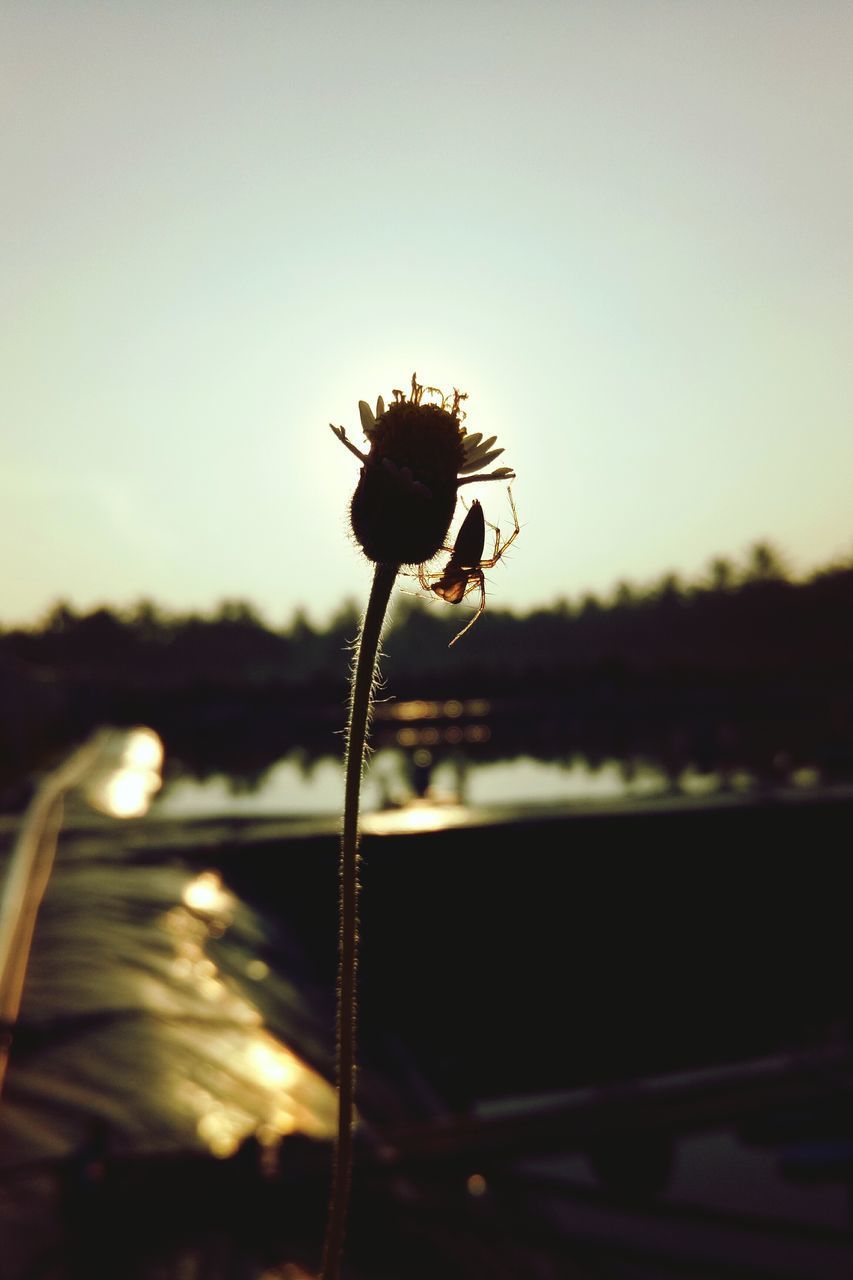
[(359, 718)]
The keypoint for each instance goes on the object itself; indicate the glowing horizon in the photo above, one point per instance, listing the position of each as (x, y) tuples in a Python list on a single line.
[(623, 230)]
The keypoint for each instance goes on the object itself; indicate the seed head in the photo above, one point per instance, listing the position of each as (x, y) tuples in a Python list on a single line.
[(406, 494)]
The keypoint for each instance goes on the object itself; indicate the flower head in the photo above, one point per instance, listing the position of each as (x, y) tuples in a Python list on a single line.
[(419, 455)]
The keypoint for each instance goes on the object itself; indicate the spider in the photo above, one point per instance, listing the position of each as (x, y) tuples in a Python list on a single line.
[(463, 572)]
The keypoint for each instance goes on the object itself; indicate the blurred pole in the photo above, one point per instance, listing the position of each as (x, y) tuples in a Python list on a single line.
[(26, 882), (108, 756)]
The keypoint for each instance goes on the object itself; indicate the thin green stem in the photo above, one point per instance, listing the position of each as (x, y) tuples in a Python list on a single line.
[(359, 718)]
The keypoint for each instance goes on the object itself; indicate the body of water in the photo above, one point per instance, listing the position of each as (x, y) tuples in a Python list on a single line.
[(395, 778), (167, 1110)]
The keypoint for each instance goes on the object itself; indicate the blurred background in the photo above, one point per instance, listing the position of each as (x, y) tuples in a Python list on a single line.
[(623, 230)]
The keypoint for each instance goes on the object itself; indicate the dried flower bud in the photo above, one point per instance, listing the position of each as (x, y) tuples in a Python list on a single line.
[(406, 494)]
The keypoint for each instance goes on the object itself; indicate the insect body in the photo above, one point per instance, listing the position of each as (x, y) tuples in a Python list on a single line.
[(463, 572)]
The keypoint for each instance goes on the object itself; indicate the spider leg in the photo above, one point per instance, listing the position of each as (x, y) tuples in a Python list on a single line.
[(499, 550), (440, 552), (489, 524), (424, 578), (478, 582), (496, 551)]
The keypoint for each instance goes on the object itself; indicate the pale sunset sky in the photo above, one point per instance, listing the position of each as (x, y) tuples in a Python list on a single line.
[(624, 227)]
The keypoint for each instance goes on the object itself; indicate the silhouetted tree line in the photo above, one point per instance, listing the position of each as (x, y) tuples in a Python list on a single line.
[(739, 643), (758, 619)]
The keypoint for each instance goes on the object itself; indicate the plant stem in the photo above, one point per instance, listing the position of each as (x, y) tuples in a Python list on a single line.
[(359, 718)]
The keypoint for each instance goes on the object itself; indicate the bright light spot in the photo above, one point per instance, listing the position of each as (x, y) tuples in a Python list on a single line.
[(452, 708), (125, 775), (414, 710), (419, 815), (123, 793), (275, 1066), (219, 1131), (805, 776), (126, 795), (144, 750), (211, 989), (477, 1185), (206, 895), (254, 1084)]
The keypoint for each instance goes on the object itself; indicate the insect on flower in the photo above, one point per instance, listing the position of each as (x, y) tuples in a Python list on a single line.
[(420, 455), (463, 572)]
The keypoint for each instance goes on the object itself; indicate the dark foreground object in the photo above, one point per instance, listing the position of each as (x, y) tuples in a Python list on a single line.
[(554, 952), (609, 1043)]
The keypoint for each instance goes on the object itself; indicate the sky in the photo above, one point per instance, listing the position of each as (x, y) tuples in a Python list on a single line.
[(623, 227)]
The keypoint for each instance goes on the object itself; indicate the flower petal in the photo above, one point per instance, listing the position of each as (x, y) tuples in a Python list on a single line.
[(501, 473), (475, 464), (480, 461), (380, 407), (486, 444), (480, 449), (368, 422)]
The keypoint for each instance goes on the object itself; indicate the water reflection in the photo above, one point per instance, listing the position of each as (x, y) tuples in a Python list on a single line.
[(258, 758), (243, 1080), (480, 751), (151, 1027), (417, 815), (428, 782), (422, 709), (153, 1023), (138, 994)]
